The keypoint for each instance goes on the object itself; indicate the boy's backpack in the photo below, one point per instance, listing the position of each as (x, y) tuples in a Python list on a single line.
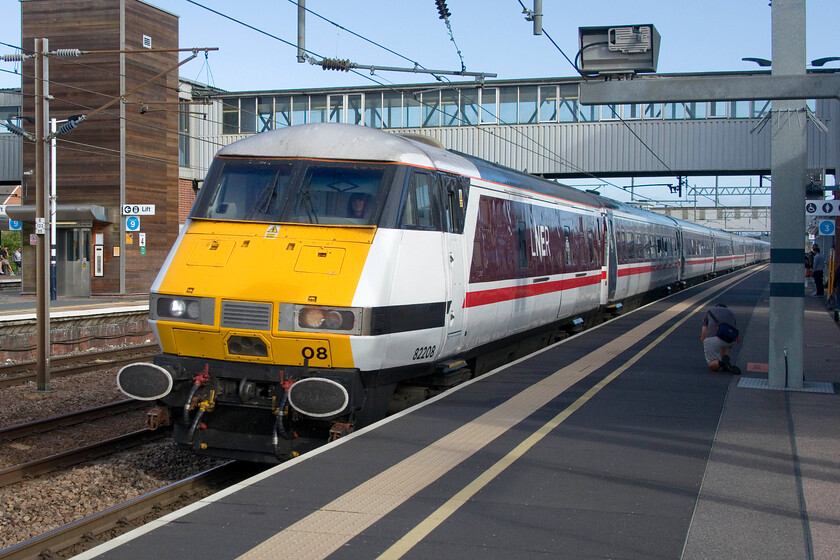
[(725, 331)]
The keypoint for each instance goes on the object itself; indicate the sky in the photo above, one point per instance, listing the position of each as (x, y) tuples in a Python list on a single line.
[(491, 35)]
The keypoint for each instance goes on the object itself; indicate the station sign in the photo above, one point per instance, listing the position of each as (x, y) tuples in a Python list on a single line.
[(827, 227), (15, 225), (822, 208), (132, 223), (138, 210)]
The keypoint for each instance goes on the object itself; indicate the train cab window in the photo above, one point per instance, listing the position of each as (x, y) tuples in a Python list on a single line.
[(341, 194), (244, 190), (420, 203), (454, 193)]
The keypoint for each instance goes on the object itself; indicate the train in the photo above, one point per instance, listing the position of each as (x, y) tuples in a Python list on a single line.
[(329, 274)]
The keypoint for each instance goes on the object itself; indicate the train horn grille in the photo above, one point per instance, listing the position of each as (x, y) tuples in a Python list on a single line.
[(246, 315)]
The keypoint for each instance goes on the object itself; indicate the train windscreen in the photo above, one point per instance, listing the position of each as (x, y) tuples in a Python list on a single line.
[(240, 189), (301, 191)]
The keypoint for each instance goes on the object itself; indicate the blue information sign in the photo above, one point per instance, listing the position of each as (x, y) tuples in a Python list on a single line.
[(132, 223), (827, 227), (15, 225)]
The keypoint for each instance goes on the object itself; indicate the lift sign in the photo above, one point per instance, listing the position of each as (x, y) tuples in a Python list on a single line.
[(138, 210)]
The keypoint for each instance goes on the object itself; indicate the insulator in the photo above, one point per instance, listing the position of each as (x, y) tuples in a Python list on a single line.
[(70, 125), (14, 129), (336, 64), (442, 9), (67, 127), (66, 53), (14, 57)]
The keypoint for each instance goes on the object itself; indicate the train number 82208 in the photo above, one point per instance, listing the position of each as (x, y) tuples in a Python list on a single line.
[(424, 352)]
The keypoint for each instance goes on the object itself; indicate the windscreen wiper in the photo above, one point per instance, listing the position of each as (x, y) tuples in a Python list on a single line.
[(266, 196)]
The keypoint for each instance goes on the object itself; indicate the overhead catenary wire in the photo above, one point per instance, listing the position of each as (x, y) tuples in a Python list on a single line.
[(612, 107), (544, 153), (557, 157)]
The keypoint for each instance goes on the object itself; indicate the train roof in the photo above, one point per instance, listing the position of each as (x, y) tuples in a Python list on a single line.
[(346, 142), (362, 143)]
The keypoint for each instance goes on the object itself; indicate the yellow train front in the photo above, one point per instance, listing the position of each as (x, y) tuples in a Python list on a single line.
[(275, 320)]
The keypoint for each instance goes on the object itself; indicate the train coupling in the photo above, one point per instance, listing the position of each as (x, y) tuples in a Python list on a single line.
[(340, 429), (157, 417)]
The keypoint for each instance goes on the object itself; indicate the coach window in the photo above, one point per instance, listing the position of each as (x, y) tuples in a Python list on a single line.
[(620, 247), (590, 241), (567, 245), (420, 204), (522, 235)]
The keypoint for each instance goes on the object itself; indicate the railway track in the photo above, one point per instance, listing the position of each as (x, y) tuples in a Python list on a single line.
[(64, 459), (75, 537), (15, 374), (46, 465), (17, 431)]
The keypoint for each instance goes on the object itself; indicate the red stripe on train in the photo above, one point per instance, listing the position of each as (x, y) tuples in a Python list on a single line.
[(486, 297)]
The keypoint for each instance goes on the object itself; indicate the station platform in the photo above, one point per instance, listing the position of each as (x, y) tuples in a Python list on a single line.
[(615, 443), (15, 305), (76, 324)]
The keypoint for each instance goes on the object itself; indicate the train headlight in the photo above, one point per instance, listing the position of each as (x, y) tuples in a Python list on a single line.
[(177, 308), (188, 309), (304, 318)]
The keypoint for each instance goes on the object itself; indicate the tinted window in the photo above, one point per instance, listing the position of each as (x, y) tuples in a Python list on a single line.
[(336, 194), (419, 204), (244, 190)]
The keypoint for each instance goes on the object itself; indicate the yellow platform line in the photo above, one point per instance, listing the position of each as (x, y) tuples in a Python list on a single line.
[(327, 529)]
